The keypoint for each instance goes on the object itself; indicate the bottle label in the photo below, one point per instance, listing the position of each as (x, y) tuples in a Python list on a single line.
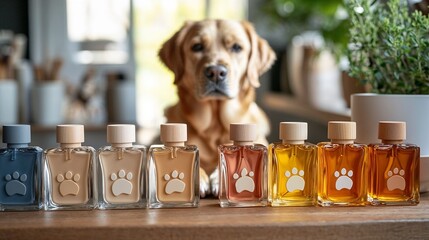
[(295, 181), (344, 180), (396, 179), (244, 182)]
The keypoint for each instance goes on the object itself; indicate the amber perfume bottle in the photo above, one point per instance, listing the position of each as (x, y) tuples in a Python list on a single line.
[(20, 171), (69, 172), (394, 167), (243, 169), (292, 167), (120, 170), (342, 167), (173, 170)]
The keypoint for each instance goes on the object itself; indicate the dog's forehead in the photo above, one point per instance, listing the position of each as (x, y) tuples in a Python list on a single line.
[(221, 28)]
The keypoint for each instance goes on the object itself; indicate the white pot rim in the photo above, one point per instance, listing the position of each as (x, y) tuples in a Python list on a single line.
[(390, 95)]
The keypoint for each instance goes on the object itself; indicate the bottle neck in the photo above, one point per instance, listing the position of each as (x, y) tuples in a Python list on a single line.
[(342, 141), (122, 145), (174, 144), (294, 142), (17, 145), (242, 143), (70, 145), (392, 141)]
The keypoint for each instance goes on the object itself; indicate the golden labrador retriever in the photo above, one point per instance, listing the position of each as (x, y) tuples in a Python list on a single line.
[(217, 64)]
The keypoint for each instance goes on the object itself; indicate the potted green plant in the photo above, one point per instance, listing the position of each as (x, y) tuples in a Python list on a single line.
[(389, 51)]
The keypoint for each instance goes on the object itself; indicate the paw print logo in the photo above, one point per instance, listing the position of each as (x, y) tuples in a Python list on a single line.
[(174, 183), (121, 185), (396, 179), (15, 184), (344, 181), (295, 180), (68, 185), (244, 183)]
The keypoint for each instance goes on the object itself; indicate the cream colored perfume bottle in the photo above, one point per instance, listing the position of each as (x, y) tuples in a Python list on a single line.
[(121, 170), (69, 171), (394, 167), (243, 169), (342, 167), (173, 170), (292, 167)]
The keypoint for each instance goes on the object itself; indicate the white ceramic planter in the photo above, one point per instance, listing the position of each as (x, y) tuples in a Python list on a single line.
[(8, 102), (47, 103), (368, 109)]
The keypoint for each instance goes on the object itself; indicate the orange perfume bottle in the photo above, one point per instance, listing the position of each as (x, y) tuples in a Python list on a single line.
[(243, 169), (342, 167), (394, 167), (292, 167)]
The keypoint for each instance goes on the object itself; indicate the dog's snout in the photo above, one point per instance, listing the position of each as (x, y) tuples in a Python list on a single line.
[(216, 73)]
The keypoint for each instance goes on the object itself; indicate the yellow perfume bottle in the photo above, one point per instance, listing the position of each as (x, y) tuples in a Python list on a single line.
[(394, 167), (342, 167), (292, 167)]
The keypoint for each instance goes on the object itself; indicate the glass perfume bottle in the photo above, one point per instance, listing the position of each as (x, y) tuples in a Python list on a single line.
[(342, 167), (121, 170), (20, 170), (243, 169), (394, 167), (69, 182), (292, 167), (173, 177)]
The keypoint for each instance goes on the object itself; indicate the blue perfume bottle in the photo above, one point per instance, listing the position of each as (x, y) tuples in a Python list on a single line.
[(20, 170)]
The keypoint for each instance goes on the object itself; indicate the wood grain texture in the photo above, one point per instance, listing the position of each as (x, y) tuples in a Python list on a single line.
[(212, 222)]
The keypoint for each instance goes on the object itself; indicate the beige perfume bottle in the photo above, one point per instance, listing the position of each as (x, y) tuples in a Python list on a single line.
[(394, 167), (173, 170), (69, 171), (120, 170)]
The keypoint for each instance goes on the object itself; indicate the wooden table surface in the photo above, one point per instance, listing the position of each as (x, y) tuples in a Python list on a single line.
[(209, 221)]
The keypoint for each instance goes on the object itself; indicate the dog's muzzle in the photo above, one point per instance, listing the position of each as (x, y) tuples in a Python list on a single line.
[(216, 84)]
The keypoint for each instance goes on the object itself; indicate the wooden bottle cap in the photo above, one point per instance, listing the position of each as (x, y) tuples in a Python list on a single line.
[(70, 133), (342, 131), (243, 132), (392, 130), (174, 133), (293, 131), (121, 133)]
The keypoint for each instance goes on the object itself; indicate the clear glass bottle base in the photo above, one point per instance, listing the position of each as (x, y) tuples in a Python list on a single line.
[(17, 207), (174, 205), (294, 203), (226, 203), (324, 203), (54, 207), (394, 202), (105, 206)]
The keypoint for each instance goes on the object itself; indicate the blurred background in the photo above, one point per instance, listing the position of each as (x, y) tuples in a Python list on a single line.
[(96, 60)]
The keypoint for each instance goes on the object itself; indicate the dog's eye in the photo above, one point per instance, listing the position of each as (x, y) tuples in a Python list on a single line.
[(236, 48), (198, 47)]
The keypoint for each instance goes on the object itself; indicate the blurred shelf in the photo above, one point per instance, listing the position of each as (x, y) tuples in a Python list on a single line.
[(293, 106), (41, 128), (91, 128)]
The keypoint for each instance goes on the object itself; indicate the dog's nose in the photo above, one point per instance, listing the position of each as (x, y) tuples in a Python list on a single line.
[(216, 73)]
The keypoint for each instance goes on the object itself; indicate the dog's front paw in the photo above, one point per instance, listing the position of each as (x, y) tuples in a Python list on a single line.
[(214, 182), (204, 184)]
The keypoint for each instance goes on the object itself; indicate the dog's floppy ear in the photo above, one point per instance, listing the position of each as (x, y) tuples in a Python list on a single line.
[(261, 56), (171, 52)]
